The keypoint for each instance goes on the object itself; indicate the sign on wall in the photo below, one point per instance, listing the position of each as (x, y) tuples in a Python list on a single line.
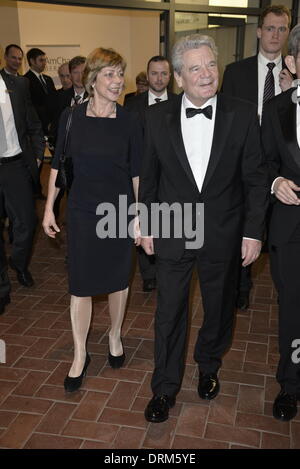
[(56, 55)]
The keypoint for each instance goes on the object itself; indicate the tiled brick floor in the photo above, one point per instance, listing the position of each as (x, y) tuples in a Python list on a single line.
[(107, 412)]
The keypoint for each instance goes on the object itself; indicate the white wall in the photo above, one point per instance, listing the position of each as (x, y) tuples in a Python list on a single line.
[(9, 25), (135, 35)]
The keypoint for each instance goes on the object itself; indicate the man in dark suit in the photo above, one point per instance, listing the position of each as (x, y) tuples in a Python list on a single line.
[(158, 75), (42, 89), (21, 144), (43, 94), (253, 80), (281, 140), (201, 148)]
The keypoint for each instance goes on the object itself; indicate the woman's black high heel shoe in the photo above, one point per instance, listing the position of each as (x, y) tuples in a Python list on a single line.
[(73, 384), (116, 362)]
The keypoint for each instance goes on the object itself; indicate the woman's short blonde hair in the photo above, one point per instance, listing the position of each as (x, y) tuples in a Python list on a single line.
[(96, 61)]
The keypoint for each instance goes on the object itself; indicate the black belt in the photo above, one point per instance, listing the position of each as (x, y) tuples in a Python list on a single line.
[(9, 159)]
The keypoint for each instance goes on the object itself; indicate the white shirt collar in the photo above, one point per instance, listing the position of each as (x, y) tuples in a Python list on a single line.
[(152, 97), (36, 73), (264, 61)]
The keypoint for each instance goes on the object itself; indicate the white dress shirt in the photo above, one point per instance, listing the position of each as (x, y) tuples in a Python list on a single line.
[(197, 134), (152, 97), (262, 73), (13, 145)]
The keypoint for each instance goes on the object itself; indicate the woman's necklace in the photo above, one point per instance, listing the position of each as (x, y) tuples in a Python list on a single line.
[(92, 110)]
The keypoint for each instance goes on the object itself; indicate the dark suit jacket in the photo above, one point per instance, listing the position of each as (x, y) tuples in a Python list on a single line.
[(235, 188), (241, 79), (139, 103), (28, 125), (128, 96), (44, 103), (282, 152), (64, 100)]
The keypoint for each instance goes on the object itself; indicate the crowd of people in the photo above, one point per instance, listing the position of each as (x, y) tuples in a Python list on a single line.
[(233, 155)]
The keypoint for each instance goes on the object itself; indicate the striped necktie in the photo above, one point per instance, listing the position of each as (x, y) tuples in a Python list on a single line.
[(269, 89)]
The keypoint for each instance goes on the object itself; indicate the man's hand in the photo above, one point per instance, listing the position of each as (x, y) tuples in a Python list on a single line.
[(285, 79), (137, 231), (147, 245), (284, 191), (250, 251)]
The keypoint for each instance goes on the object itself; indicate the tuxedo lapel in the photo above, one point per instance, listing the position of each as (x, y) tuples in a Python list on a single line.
[(287, 118), (253, 80), (223, 122), (173, 119)]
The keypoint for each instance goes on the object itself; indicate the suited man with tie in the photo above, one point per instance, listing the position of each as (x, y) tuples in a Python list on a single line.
[(200, 148), (42, 89), (21, 144), (281, 141), (158, 75), (257, 79)]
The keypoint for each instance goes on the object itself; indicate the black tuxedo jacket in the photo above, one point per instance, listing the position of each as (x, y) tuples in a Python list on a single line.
[(235, 188), (44, 103), (27, 124), (241, 79), (139, 103), (282, 152)]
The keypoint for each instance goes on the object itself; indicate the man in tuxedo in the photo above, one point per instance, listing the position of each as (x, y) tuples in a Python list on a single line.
[(21, 143), (257, 79), (200, 148), (158, 75), (281, 140), (13, 57)]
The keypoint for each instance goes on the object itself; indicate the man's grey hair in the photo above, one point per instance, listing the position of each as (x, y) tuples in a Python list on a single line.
[(194, 41), (294, 42)]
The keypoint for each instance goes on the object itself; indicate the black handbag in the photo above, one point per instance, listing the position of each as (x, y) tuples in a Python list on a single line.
[(64, 176)]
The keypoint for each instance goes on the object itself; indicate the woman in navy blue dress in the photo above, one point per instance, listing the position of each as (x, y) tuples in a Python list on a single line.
[(105, 142)]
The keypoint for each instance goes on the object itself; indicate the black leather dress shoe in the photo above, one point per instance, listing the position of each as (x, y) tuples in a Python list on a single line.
[(73, 384), (285, 406), (242, 301), (24, 276), (209, 386), (5, 300), (149, 284), (157, 410)]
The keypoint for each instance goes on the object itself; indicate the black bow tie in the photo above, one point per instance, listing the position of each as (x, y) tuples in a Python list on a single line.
[(192, 111)]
